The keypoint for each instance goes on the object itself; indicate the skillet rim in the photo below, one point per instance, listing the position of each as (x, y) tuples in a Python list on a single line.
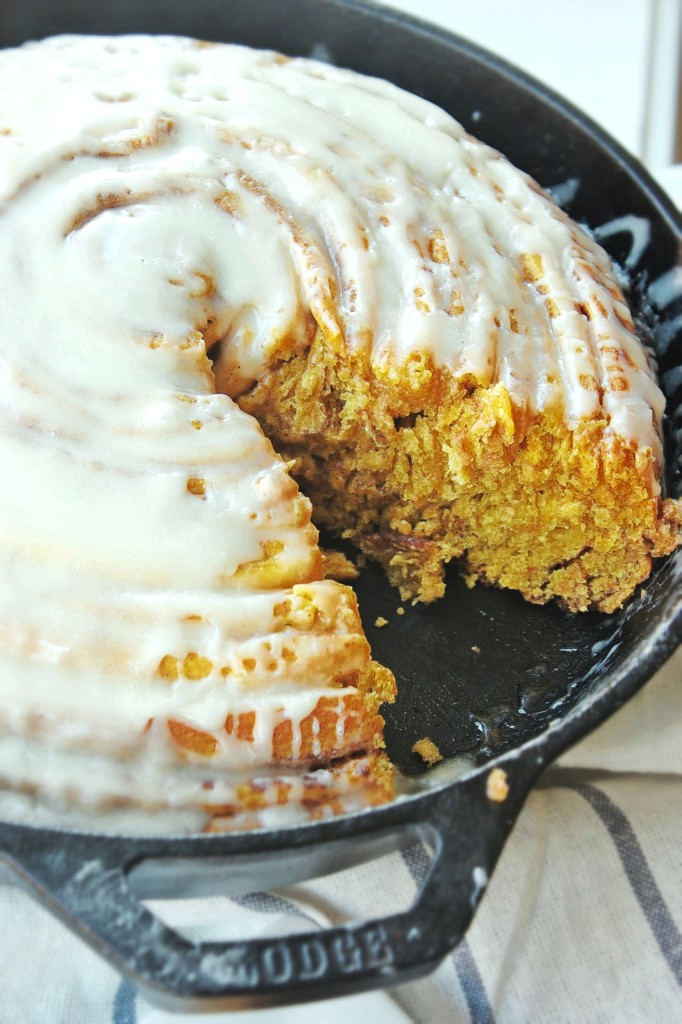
[(655, 646), (36, 850)]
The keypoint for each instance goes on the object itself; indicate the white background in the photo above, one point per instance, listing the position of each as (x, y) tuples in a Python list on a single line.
[(617, 60)]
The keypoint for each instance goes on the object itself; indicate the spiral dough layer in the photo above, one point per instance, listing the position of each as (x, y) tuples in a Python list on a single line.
[(163, 200)]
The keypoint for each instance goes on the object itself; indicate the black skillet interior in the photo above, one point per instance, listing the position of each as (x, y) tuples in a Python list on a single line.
[(481, 672)]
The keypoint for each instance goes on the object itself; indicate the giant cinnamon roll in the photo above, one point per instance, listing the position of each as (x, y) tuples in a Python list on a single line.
[(201, 243)]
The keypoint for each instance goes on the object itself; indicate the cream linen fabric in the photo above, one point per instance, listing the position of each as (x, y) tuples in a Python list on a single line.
[(581, 924)]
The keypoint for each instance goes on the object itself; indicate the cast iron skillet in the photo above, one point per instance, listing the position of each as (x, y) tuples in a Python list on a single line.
[(484, 674)]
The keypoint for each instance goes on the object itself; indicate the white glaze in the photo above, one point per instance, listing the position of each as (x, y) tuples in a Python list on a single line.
[(666, 289), (639, 229), (315, 159), (156, 197), (565, 192)]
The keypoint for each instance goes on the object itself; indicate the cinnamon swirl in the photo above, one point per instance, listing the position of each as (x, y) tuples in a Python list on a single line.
[(203, 245)]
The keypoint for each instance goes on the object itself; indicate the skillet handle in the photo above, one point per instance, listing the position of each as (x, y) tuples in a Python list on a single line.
[(85, 883)]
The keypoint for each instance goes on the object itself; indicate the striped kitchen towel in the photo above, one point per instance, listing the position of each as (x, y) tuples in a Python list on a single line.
[(581, 923)]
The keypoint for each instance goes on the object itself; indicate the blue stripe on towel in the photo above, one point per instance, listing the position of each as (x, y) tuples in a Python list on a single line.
[(124, 1010), (470, 979), (417, 862), (644, 886), (268, 903)]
